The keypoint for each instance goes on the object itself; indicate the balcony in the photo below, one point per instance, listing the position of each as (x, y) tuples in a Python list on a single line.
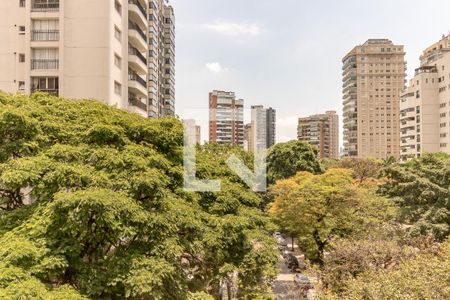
[(45, 6), (137, 37), (138, 12), (137, 61), (50, 92), (44, 64), (134, 101), (45, 35), (137, 84)]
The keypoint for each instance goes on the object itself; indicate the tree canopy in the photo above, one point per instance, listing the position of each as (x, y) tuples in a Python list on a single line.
[(284, 160), (316, 208), (421, 189), (92, 206)]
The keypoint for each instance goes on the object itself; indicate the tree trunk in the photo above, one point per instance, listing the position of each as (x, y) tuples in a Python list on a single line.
[(292, 239), (229, 290)]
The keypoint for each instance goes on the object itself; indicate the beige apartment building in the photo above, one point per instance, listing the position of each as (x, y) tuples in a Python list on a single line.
[(80, 49), (226, 118), (161, 59), (321, 131), (373, 78), (425, 104)]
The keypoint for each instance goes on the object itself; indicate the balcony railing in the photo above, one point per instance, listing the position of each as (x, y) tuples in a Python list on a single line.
[(50, 92), (134, 51), (139, 79), (44, 64), (133, 100), (139, 5), (49, 5), (133, 26), (45, 35)]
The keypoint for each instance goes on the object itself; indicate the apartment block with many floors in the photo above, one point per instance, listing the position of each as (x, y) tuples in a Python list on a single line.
[(262, 128), (373, 78), (88, 49), (161, 59), (425, 104), (321, 131), (226, 118)]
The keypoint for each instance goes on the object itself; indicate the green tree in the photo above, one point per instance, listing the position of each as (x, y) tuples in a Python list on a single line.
[(424, 276), (317, 208), (92, 205), (287, 159), (421, 189)]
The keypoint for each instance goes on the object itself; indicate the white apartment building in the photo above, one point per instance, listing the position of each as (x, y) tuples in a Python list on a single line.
[(425, 104), (261, 133), (78, 49)]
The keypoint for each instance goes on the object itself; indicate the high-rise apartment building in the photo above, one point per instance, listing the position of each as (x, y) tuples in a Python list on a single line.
[(85, 49), (322, 131), (262, 128), (248, 137), (425, 104), (226, 118), (373, 78), (193, 131), (161, 59)]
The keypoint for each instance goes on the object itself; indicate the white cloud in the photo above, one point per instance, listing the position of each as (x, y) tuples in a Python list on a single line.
[(234, 29), (215, 67)]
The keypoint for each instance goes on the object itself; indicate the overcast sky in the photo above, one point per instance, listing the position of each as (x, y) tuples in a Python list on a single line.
[(287, 54)]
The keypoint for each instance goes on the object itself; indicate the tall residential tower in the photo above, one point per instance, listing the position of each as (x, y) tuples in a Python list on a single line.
[(321, 131), (120, 52), (425, 104), (226, 118), (161, 59), (373, 78), (262, 128)]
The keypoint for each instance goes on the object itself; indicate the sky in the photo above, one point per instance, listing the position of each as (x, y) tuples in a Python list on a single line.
[(287, 54)]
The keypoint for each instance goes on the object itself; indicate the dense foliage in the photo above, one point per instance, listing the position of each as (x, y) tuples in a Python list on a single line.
[(421, 189), (316, 208), (423, 277), (92, 206), (287, 159)]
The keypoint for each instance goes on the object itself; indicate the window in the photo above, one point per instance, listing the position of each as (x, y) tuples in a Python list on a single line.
[(21, 85), (21, 3), (45, 30), (117, 88), (117, 33), (118, 61), (21, 29), (118, 7), (46, 84), (21, 57)]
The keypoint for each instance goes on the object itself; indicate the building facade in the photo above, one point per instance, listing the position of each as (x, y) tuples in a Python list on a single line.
[(78, 49), (193, 131), (373, 78), (425, 104), (262, 128), (226, 118), (161, 59), (321, 131)]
